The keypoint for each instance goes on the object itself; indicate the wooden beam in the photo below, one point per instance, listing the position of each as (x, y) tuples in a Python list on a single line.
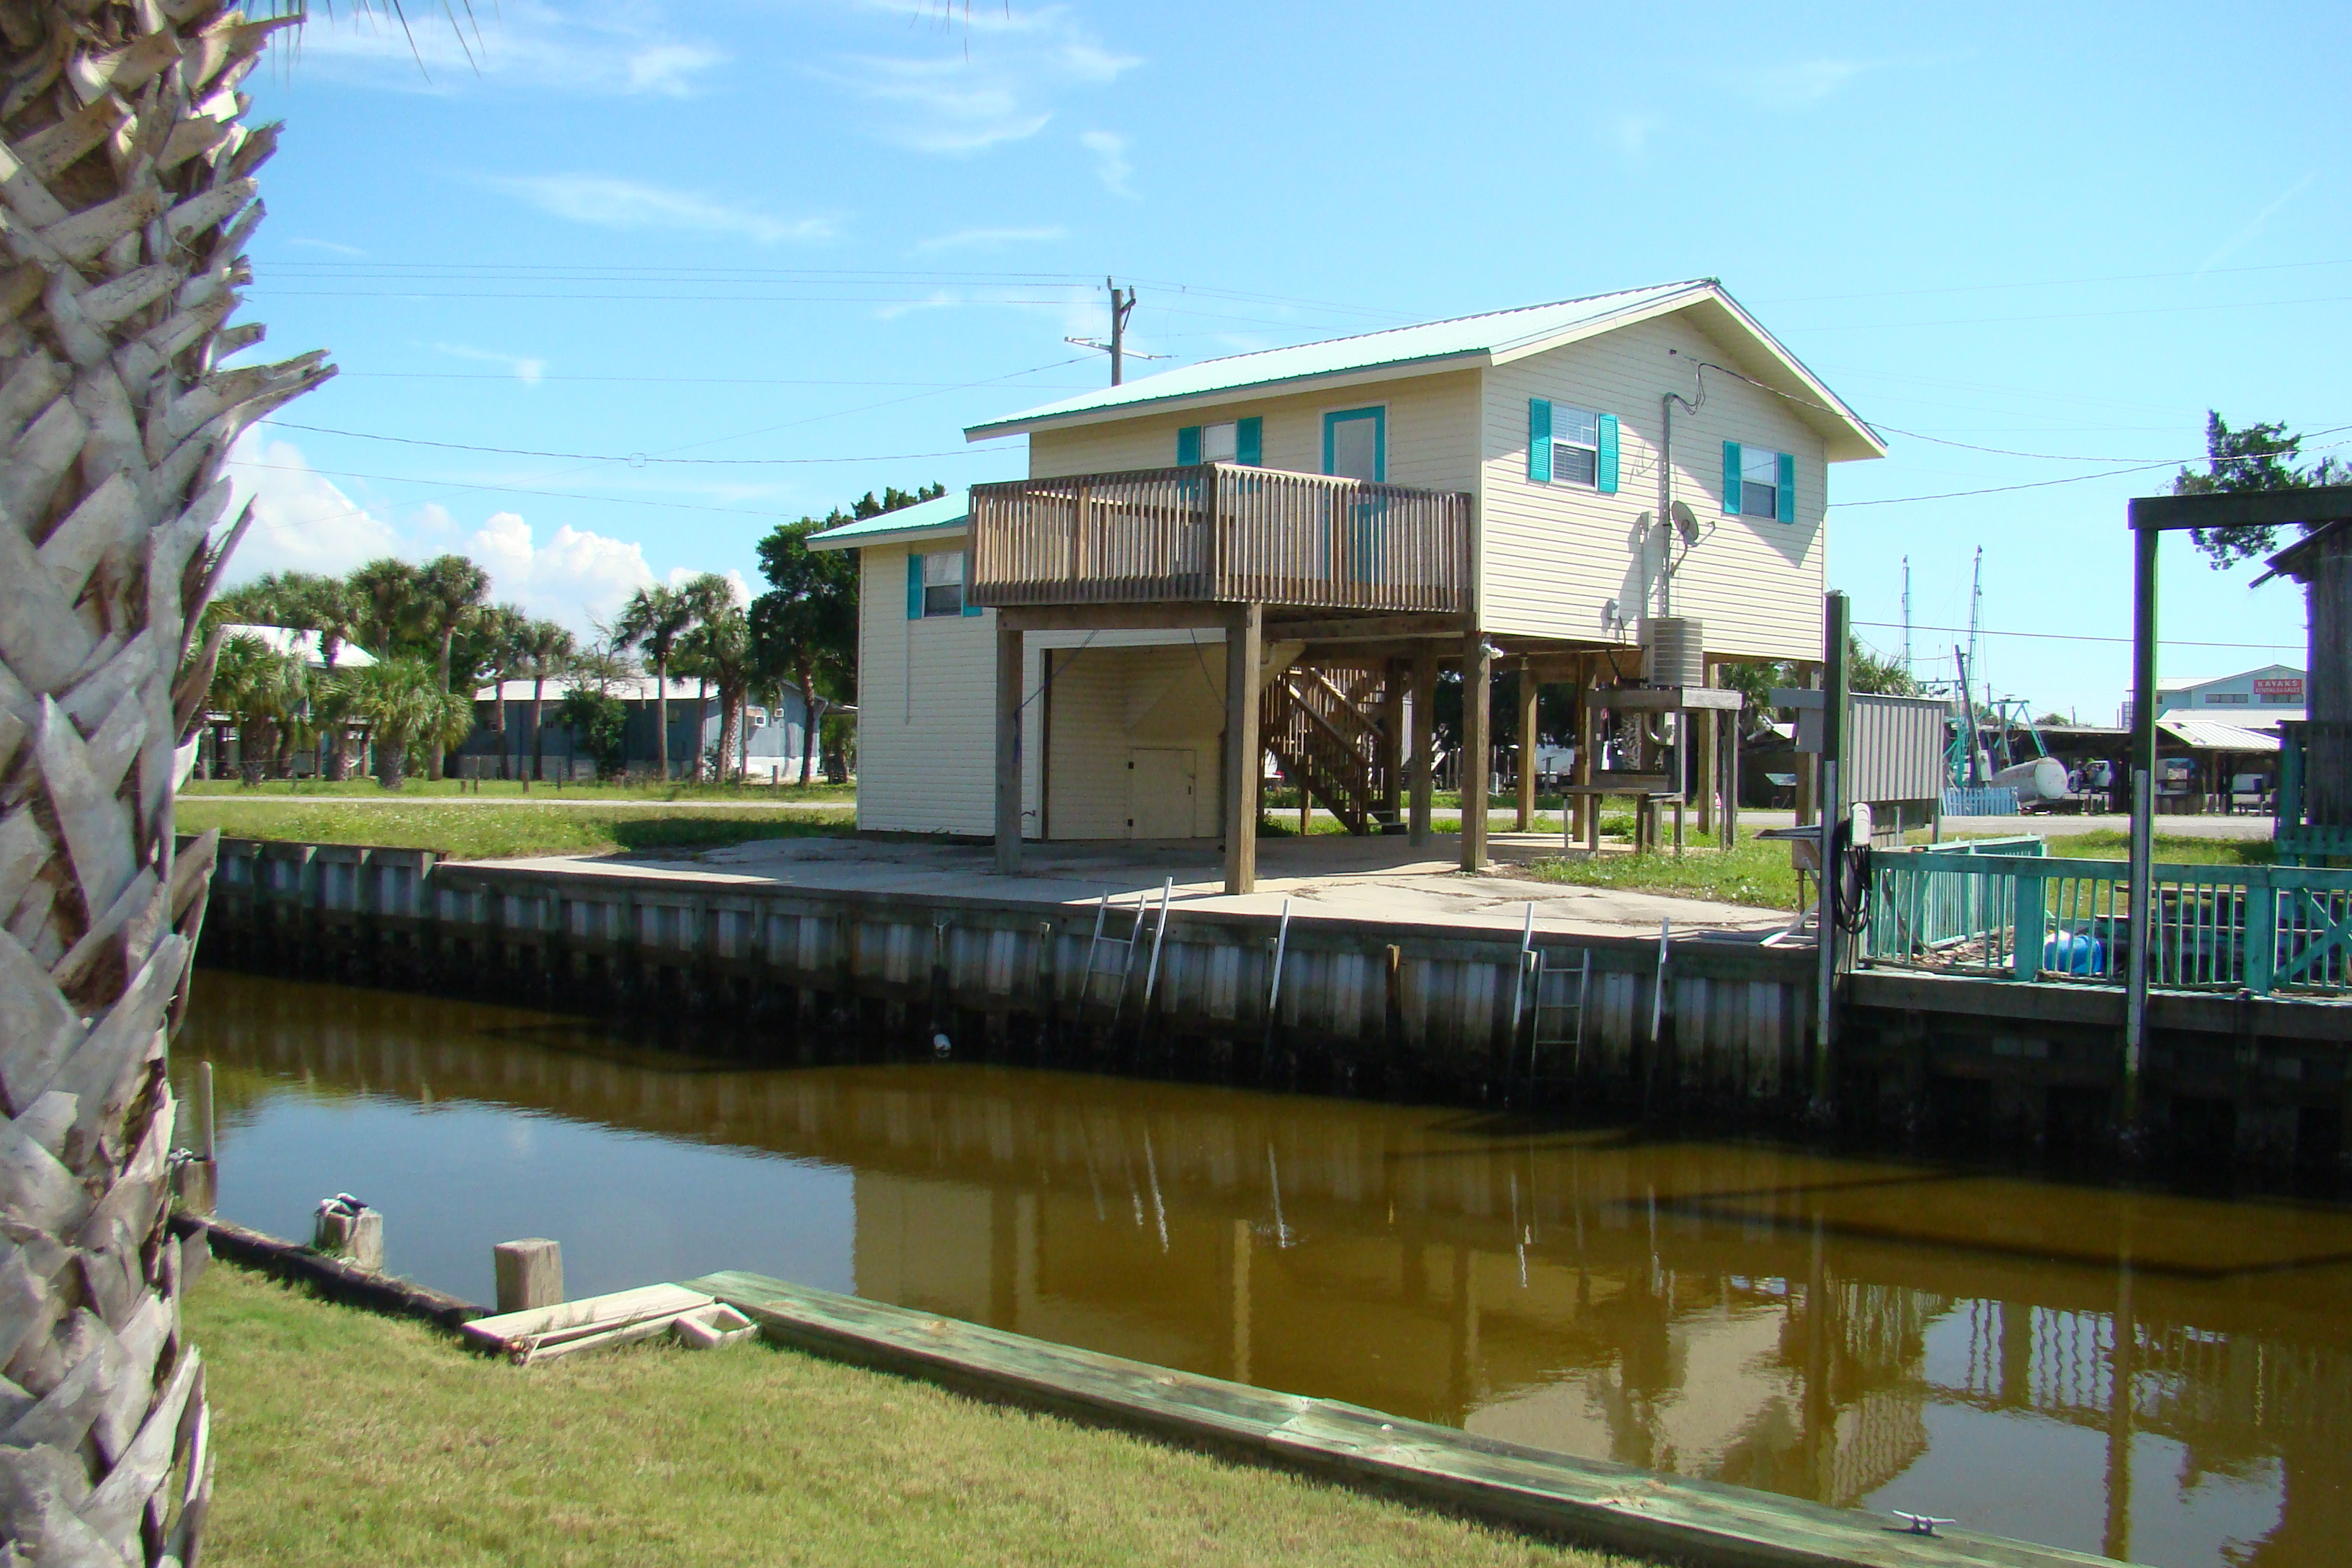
[(1528, 692), (1112, 617), (1392, 741), (1425, 699), (2242, 509), (1588, 749), (1008, 748), (1477, 693), (1363, 628), (1244, 642), (1667, 698)]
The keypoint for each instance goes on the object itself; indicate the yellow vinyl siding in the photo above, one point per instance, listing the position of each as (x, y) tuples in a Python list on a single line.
[(1554, 555), (1111, 701), (1432, 433), (926, 710)]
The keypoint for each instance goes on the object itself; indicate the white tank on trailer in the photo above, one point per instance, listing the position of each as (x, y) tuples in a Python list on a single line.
[(2042, 779)]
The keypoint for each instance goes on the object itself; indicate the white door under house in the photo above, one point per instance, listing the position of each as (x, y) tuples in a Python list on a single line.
[(1159, 793)]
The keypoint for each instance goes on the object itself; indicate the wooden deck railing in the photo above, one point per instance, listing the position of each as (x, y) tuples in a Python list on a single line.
[(1220, 531)]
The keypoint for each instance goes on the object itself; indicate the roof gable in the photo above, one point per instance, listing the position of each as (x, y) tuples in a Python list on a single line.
[(1468, 343), (951, 513)]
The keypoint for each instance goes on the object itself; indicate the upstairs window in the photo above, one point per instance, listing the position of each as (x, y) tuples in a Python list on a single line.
[(1759, 482), (1356, 445), (1571, 446), (1235, 441), (935, 585)]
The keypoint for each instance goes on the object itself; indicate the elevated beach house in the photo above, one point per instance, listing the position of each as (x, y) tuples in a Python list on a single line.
[(1265, 553)]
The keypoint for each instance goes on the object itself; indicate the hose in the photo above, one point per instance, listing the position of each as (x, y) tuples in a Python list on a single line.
[(1852, 867)]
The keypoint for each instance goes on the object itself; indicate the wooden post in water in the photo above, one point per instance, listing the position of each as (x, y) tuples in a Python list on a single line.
[(355, 1235), (198, 1180), (530, 1274)]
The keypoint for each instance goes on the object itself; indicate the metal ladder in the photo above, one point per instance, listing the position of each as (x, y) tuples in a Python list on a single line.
[(1556, 992), (1112, 958)]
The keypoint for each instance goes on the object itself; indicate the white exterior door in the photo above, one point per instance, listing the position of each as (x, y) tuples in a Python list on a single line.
[(1159, 793)]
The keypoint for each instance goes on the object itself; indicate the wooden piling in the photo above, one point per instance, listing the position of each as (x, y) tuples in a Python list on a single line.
[(356, 1239), (530, 1273)]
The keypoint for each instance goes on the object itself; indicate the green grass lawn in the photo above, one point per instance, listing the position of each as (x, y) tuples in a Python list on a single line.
[(486, 789), (1758, 872), (492, 832), (345, 1437)]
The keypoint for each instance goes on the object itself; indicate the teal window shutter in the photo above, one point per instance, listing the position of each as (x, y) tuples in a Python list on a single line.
[(1249, 441), (1787, 477), (1731, 478), (1605, 466), (1540, 441), (914, 585), (1188, 445), (969, 607)]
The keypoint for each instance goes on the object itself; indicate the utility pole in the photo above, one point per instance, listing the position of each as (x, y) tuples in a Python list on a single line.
[(1906, 615), (1122, 305)]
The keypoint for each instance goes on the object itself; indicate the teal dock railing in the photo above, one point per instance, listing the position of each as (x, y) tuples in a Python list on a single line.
[(2024, 915)]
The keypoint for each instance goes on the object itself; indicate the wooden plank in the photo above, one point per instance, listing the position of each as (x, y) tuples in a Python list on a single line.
[(1112, 617), (588, 1317), (1590, 1500), (1667, 698)]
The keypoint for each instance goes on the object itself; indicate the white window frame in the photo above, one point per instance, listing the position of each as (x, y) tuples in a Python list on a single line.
[(938, 585), (1561, 412), (1221, 443), (1751, 485)]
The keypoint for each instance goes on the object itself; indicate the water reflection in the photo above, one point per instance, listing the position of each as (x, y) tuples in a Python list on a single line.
[(2162, 1377)]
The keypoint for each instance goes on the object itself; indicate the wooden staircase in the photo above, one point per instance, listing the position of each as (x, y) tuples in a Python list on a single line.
[(1320, 722)]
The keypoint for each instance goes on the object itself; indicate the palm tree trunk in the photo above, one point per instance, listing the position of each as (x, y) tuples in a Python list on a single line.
[(128, 200), (808, 724), (538, 730), (435, 762), (701, 720), (661, 716)]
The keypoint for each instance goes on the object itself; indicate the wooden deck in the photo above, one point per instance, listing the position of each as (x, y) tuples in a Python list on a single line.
[(1219, 532), (1587, 1500)]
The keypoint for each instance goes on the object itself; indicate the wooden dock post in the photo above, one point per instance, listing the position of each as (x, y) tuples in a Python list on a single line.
[(196, 1181), (353, 1233), (530, 1274)]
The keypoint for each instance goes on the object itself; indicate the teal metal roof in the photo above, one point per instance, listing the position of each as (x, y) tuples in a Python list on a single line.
[(949, 514), (1483, 335), (1464, 342)]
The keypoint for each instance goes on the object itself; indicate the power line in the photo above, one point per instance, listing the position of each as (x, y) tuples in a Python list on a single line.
[(2085, 636), (2047, 283), (2072, 315), (507, 376), (569, 495), (634, 459)]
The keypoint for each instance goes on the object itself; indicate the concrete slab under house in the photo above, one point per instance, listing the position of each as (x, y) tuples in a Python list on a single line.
[(1278, 553)]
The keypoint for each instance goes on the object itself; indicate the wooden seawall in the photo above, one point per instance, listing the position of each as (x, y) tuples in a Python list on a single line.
[(1587, 1500), (1437, 1009), (1722, 1030)]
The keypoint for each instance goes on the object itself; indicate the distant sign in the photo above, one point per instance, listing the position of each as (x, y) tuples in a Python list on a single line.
[(2280, 686)]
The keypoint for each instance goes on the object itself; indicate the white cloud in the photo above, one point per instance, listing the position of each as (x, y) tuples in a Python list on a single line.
[(328, 246), (527, 371), (610, 202), (301, 520), (991, 82), (1795, 84), (611, 47), (1111, 163), (2252, 231), (991, 238), (573, 578), (1632, 132)]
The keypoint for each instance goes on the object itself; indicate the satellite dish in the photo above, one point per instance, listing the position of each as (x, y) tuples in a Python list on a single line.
[(1685, 524)]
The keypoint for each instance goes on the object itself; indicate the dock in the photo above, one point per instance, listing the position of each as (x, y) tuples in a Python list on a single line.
[(1589, 1501), (1486, 992)]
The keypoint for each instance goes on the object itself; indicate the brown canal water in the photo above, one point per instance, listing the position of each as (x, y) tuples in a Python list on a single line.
[(2157, 1376)]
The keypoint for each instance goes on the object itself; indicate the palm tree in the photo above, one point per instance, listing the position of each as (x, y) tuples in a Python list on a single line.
[(712, 596), (654, 619), (449, 590), (404, 701), (333, 610), (546, 649), (721, 650), (267, 693), (387, 594), (130, 200)]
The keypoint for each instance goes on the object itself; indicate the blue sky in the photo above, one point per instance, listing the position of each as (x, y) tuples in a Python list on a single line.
[(805, 231)]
